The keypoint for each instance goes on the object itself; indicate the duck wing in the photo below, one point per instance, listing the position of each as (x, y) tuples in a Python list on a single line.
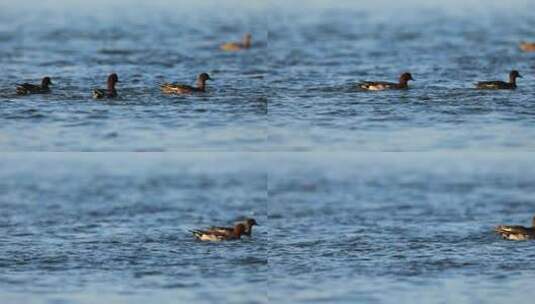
[(515, 233), (491, 84), (174, 88), (26, 88), (99, 93), (212, 235), (231, 46), (222, 230), (512, 229), (377, 85)]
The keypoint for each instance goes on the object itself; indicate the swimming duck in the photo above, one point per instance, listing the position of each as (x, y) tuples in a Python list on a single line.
[(500, 85), (380, 86), (26, 88), (248, 223), (173, 88), (517, 233), (110, 92), (238, 46), (216, 235), (527, 46)]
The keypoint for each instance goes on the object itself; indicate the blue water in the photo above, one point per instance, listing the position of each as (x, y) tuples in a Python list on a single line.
[(282, 136), (113, 228), (321, 50), (334, 228), (147, 43)]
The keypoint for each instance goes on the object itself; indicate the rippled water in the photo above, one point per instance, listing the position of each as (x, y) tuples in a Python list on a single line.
[(78, 45), (320, 51), (282, 136), (335, 228), (390, 228), (114, 229)]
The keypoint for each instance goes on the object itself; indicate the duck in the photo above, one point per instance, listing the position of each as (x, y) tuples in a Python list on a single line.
[(517, 233), (110, 92), (380, 86), (217, 235), (238, 46), (27, 88), (173, 88), (248, 223), (500, 85), (527, 46)]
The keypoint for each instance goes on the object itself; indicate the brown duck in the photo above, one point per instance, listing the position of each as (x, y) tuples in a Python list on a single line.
[(217, 235), (381, 85), (173, 88), (238, 46), (248, 223), (110, 92), (517, 233), (500, 85), (527, 46), (27, 88)]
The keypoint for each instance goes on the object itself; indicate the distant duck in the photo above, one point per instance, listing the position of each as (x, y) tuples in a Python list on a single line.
[(517, 233), (527, 46), (500, 85), (110, 92), (173, 88), (217, 235), (380, 86), (238, 46), (26, 88), (248, 223)]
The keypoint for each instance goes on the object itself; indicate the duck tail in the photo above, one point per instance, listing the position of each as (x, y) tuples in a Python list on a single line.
[(21, 90), (196, 233)]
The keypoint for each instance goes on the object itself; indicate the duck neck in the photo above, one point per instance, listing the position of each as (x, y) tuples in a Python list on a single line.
[(201, 85), (248, 230), (247, 42), (237, 233), (512, 80), (111, 89), (403, 83), (111, 86), (44, 84), (533, 223)]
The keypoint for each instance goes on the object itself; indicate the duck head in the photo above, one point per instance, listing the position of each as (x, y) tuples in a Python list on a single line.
[(204, 77), (46, 82), (251, 222), (513, 75), (112, 80), (405, 77), (201, 80)]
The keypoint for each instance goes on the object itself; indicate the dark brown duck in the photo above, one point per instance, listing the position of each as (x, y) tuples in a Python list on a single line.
[(27, 88), (403, 84), (517, 233), (174, 88), (110, 92), (216, 235), (500, 85), (248, 223)]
